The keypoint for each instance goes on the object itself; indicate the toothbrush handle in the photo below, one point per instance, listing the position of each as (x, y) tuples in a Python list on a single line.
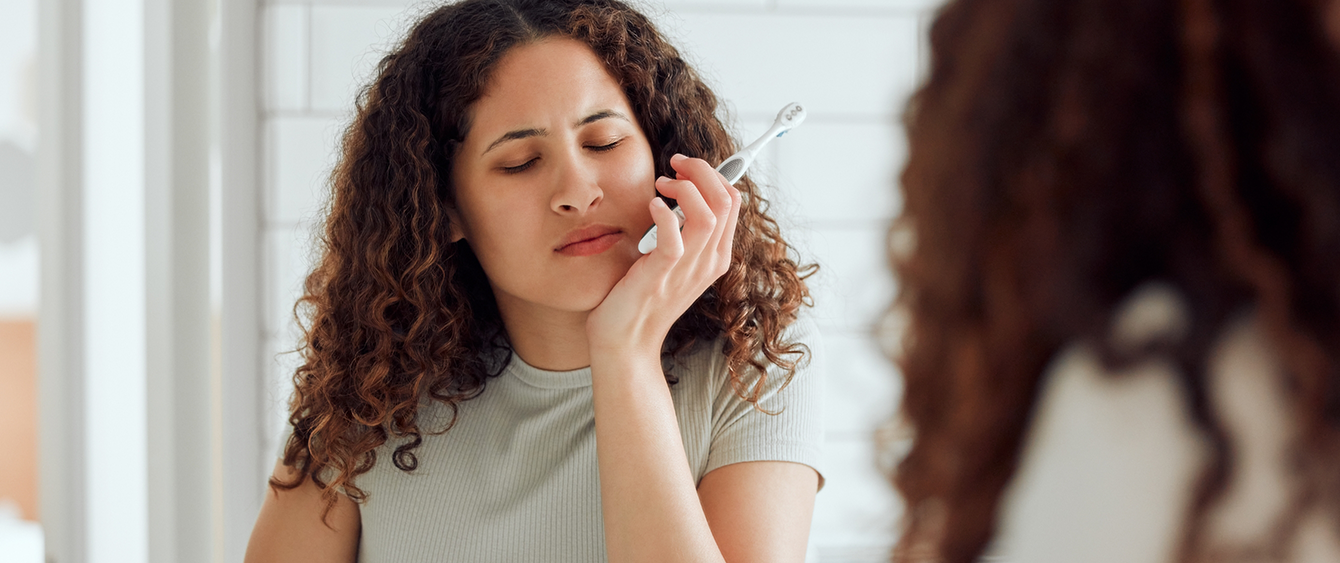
[(777, 130), (648, 242)]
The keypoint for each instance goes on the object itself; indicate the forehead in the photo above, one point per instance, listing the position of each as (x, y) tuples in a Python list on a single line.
[(542, 83)]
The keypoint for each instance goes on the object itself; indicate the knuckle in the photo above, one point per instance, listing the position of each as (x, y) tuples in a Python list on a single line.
[(725, 201)]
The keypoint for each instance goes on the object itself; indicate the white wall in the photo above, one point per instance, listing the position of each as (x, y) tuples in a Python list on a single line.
[(851, 62)]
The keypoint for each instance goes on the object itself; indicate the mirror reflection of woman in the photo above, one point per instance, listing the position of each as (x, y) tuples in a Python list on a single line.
[(492, 371)]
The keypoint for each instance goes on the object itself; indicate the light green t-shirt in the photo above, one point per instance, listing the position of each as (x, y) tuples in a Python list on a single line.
[(516, 480)]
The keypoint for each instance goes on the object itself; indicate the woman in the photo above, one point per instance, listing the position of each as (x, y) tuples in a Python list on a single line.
[(1119, 260), (492, 370)]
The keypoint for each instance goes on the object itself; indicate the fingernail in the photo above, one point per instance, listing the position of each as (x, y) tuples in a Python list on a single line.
[(666, 178), (677, 157)]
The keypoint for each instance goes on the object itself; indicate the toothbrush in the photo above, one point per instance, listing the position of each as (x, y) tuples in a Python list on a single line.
[(733, 168)]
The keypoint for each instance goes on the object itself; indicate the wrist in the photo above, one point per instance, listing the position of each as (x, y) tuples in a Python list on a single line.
[(624, 342), (624, 359)]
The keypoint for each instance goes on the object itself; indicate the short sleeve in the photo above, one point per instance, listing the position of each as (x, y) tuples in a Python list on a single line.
[(794, 431)]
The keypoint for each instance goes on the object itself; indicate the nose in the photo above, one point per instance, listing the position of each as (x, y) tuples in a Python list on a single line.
[(577, 189)]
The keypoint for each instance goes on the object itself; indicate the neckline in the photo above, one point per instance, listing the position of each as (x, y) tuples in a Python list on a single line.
[(546, 379)]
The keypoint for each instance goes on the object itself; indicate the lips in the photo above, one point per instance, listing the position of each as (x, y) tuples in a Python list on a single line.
[(586, 236)]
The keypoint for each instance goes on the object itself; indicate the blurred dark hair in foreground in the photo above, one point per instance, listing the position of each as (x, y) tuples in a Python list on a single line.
[(1062, 154)]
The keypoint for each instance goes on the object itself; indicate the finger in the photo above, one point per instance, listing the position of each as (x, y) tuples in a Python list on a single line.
[(713, 190), (669, 246), (727, 241), (727, 222), (699, 220), (708, 180), (717, 191)]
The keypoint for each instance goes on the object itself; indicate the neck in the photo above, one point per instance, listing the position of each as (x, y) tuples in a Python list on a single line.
[(546, 338)]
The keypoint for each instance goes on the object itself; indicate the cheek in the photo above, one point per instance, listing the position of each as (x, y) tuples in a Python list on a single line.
[(504, 229), (637, 172), (490, 227)]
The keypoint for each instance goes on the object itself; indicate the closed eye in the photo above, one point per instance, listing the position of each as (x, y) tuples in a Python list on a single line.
[(605, 148), (520, 167)]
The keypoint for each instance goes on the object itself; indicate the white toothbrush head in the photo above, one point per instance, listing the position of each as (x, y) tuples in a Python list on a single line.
[(789, 118)]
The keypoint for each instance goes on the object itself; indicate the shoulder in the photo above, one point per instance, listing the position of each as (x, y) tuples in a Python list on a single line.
[(774, 414), (706, 365), (1117, 448), (1109, 448), (800, 359)]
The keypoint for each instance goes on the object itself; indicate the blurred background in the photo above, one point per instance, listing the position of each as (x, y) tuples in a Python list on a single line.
[(162, 172), (20, 536)]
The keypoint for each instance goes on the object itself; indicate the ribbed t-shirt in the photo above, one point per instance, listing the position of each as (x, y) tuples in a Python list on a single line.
[(515, 479)]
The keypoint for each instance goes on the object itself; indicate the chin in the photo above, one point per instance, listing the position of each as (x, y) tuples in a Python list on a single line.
[(592, 295), (583, 301), (588, 292), (581, 288)]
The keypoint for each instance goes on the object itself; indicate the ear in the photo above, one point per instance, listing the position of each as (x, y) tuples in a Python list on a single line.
[(455, 224)]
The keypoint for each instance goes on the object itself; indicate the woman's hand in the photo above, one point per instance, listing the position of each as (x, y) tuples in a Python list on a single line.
[(638, 313)]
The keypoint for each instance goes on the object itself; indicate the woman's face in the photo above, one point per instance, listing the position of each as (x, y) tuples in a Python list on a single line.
[(553, 179)]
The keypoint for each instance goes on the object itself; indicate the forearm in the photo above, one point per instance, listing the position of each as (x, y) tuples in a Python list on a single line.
[(651, 507)]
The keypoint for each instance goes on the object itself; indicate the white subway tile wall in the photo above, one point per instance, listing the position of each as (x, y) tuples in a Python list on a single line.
[(842, 66), (301, 154), (853, 285), (840, 173), (283, 360), (347, 43), (286, 62), (830, 183)]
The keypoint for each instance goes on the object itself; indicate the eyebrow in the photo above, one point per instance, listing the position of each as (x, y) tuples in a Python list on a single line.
[(527, 133), (515, 135), (602, 114)]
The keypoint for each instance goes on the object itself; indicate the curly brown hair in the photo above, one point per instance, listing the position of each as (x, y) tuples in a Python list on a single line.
[(397, 314), (1063, 152)]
